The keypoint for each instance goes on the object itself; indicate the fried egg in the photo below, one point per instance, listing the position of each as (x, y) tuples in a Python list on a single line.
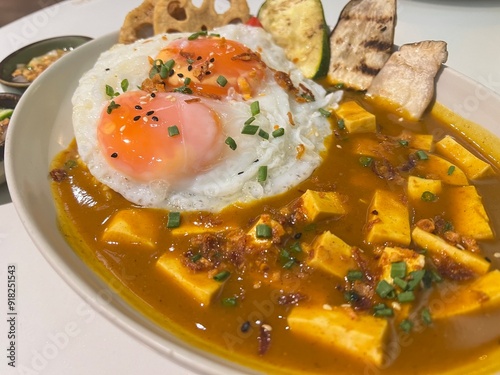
[(236, 123)]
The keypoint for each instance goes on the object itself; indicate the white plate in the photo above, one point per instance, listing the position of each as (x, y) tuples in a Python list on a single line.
[(30, 149)]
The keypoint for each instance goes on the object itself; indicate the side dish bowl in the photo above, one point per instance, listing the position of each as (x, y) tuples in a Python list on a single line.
[(25, 54), (30, 150), (8, 101)]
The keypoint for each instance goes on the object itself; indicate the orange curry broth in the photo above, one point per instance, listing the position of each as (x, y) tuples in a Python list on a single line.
[(84, 206)]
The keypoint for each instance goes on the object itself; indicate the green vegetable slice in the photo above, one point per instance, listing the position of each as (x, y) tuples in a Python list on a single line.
[(5, 113)]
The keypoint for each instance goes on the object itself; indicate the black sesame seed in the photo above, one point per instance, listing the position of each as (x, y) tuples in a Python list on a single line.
[(245, 327), (149, 113), (297, 236), (240, 173), (190, 67), (137, 118), (114, 155), (153, 94), (208, 72), (171, 73), (212, 60), (180, 75), (107, 69), (154, 118), (199, 58), (138, 107)]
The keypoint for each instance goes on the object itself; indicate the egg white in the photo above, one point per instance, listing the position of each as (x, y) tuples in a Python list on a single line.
[(234, 178)]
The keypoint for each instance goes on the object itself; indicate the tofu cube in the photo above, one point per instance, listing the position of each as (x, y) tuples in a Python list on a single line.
[(198, 285), (317, 205), (438, 168), (438, 248), (388, 220), (421, 141), (265, 242), (331, 255), (414, 261), (362, 336), (356, 118), (473, 167), (468, 214), (131, 226), (418, 186), (473, 298)]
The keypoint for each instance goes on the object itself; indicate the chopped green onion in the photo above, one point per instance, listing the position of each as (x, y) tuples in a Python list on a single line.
[(174, 219), (197, 35), (286, 259), (263, 231), (407, 296), (229, 302), (398, 269), (401, 283), (353, 275), (222, 276), (263, 134), (255, 108), (173, 131), (296, 247), (436, 277), (262, 173), (249, 121), (324, 112), (70, 164), (341, 124), (112, 106), (404, 142), (426, 316), (249, 129), (5, 113), (414, 279), (422, 155), (384, 289), (196, 257), (231, 143), (406, 325), (124, 85), (451, 170), (278, 132), (365, 161), (221, 81), (382, 310), (428, 196)]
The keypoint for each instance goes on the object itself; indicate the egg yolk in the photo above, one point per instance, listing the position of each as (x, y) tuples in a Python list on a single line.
[(160, 136), (214, 65)]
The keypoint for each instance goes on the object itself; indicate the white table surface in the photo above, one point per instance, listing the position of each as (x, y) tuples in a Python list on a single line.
[(58, 333)]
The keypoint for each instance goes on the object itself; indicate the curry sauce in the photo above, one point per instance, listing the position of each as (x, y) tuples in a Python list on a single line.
[(260, 285)]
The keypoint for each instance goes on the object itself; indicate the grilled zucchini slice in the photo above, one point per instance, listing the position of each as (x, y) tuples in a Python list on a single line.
[(300, 28)]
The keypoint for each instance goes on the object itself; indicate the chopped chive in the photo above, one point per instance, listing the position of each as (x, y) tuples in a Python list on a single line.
[(278, 132), (255, 108), (436, 277), (70, 164), (414, 279), (353, 275), (173, 131), (229, 302), (296, 247), (249, 129), (197, 35), (196, 257), (249, 121), (407, 296), (426, 316), (222, 276), (451, 170), (382, 310), (287, 261), (187, 81), (231, 143), (124, 85), (406, 325), (174, 219), (384, 289), (365, 161), (262, 173), (221, 81), (341, 124), (404, 142), (398, 269), (324, 112), (422, 155), (427, 196), (112, 106), (263, 134), (400, 282), (263, 231)]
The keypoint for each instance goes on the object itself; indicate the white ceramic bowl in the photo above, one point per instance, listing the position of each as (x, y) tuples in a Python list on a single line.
[(30, 149)]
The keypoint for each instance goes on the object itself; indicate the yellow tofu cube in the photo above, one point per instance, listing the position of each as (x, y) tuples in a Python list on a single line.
[(473, 167), (131, 226), (474, 298), (276, 231), (414, 261), (418, 186), (388, 219), (316, 205), (331, 255), (421, 141), (438, 168), (198, 285), (468, 214), (439, 249), (356, 118), (359, 335)]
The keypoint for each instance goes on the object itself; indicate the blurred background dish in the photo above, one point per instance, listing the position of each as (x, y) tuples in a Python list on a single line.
[(8, 102)]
